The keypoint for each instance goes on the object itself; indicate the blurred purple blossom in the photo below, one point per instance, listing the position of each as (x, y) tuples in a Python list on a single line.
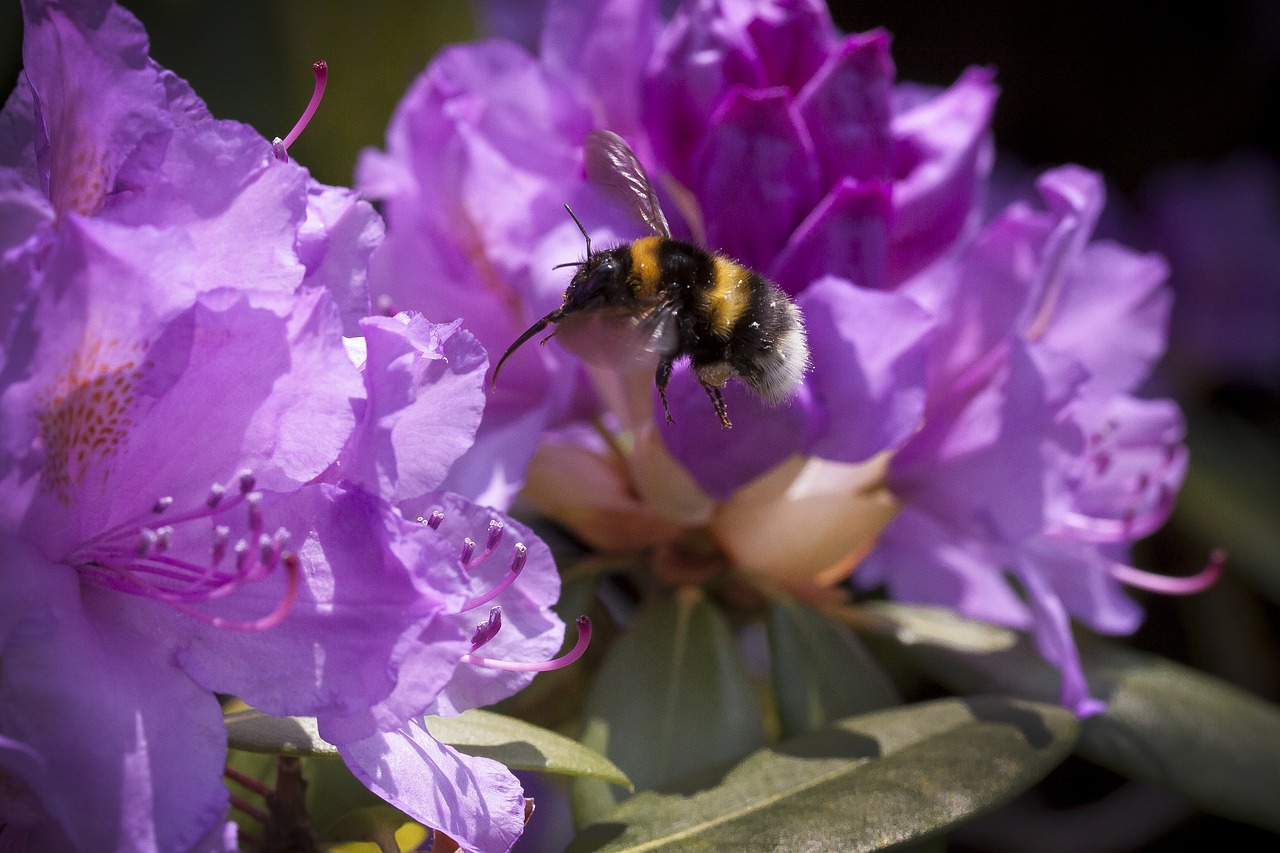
[(1032, 454), (967, 416), (205, 484), (1219, 225)]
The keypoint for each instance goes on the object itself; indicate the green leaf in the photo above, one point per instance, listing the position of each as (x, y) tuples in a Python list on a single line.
[(522, 746), (253, 731), (821, 672), (515, 743), (672, 697), (1165, 723), (375, 829), (862, 784)]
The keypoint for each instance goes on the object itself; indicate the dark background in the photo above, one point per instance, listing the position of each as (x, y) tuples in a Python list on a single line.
[(1119, 87)]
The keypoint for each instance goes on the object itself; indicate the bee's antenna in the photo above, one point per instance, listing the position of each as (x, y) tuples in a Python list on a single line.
[(580, 228)]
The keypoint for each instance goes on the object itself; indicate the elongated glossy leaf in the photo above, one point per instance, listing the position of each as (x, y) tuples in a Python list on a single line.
[(672, 697), (862, 784), (253, 731), (821, 672), (1165, 723), (522, 746), (515, 743)]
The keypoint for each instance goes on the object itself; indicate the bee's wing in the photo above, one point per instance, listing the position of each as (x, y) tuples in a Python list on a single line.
[(612, 165), (620, 337)]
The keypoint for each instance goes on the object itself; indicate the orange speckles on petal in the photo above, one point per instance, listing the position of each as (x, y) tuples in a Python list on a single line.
[(80, 186), (83, 412)]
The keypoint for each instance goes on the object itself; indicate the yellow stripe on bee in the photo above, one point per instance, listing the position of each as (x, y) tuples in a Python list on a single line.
[(645, 272), (728, 297)]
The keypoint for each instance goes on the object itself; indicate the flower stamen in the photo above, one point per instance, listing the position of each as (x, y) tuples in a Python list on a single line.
[(279, 146), (518, 560), (1200, 581), (584, 640), (488, 629), (137, 559)]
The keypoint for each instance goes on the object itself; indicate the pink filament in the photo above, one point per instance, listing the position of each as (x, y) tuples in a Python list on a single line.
[(1198, 582), (584, 640), (135, 560), (517, 564), (321, 70)]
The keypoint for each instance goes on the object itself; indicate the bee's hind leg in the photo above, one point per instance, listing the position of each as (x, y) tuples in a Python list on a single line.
[(717, 400), (661, 378)]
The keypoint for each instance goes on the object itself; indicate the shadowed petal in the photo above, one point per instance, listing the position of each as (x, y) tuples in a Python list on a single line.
[(475, 801), (143, 744), (941, 156), (756, 175), (869, 354)]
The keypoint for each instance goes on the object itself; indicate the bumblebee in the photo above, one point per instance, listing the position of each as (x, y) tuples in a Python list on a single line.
[(676, 298)]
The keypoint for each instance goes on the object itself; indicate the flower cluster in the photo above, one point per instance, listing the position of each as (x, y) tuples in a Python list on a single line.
[(205, 488), (969, 415)]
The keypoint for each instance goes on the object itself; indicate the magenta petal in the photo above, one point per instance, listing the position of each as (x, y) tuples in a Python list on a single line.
[(1120, 485), (869, 353), (425, 399), (921, 560), (530, 629), (791, 38), (475, 801), (1089, 288), (278, 419), (248, 207), (18, 139), (942, 154), (132, 751), (1082, 579), (724, 460), (97, 93), (1051, 627), (845, 236), (372, 586), (756, 175), (986, 298), (847, 108), (698, 55), (335, 243), (1114, 287), (581, 38), (976, 461), (492, 471)]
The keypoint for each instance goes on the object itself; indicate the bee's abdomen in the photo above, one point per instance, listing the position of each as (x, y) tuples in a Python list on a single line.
[(766, 344)]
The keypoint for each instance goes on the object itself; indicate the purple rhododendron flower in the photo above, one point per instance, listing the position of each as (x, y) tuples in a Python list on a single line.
[(963, 420), (207, 489), (1032, 453)]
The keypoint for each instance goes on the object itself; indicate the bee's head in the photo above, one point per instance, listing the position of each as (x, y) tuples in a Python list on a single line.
[(600, 280)]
